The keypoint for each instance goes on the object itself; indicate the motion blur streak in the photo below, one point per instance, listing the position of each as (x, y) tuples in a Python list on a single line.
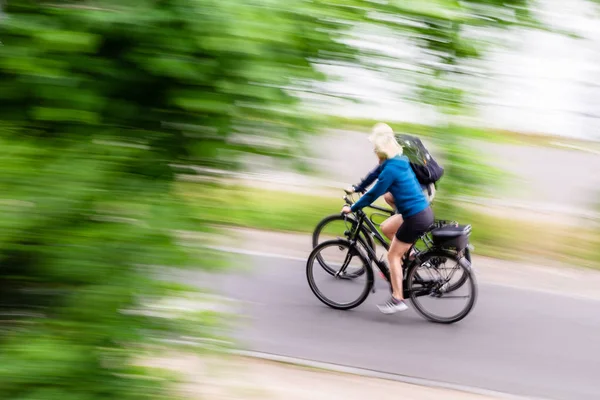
[(132, 132)]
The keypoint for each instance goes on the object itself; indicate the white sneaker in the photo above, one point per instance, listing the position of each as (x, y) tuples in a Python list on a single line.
[(392, 306)]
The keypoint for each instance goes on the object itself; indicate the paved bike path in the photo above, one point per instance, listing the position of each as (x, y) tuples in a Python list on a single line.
[(515, 341)]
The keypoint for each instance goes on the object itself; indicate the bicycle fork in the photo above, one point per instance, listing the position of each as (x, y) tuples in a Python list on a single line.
[(347, 260)]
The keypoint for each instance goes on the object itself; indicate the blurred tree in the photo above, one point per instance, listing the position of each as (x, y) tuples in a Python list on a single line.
[(451, 36), (98, 104)]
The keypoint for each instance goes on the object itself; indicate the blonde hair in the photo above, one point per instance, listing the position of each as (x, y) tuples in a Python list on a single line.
[(384, 141), (381, 129)]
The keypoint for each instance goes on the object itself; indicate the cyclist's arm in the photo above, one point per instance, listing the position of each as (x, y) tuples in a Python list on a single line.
[(383, 184), (368, 180)]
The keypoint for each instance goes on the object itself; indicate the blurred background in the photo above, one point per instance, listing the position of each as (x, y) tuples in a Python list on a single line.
[(144, 140)]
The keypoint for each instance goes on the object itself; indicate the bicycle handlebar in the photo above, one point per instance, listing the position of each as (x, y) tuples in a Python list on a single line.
[(349, 200)]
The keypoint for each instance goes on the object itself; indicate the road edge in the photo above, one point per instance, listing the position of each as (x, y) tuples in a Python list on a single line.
[(380, 375)]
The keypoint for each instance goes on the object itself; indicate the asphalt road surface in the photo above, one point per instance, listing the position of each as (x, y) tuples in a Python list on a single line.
[(515, 341)]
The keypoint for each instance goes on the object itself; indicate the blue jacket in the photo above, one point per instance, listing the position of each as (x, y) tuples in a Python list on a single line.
[(371, 177), (397, 177)]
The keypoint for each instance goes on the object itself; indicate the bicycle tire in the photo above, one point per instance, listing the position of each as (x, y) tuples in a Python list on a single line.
[(364, 238), (468, 276), (464, 278), (366, 267)]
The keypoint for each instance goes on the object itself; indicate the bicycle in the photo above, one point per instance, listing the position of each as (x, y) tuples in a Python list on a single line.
[(368, 234), (445, 240)]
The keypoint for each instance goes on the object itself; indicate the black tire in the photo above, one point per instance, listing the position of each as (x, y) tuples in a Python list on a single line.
[(364, 237), (356, 252), (464, 278), (469, 278)]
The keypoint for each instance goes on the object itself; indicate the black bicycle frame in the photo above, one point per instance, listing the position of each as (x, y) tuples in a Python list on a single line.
[(372, 229), (383, 267), (374, 232), (353, 237), (382, 209)]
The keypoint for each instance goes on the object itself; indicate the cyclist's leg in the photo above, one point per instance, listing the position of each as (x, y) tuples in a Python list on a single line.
[(396, 301), (390, 200), (412, 228), (391, 225), (397, 251)]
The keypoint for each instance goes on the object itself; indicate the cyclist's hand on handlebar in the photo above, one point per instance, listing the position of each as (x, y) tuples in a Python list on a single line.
[(346, 210), (350, 190)]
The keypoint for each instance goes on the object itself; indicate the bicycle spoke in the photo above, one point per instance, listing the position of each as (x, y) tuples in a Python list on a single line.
[(428, 296), (346, 287)]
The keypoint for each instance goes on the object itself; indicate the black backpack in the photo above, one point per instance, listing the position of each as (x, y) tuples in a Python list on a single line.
[(422, 162)]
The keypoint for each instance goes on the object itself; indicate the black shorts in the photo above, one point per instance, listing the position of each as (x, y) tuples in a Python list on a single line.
[(414, 226)]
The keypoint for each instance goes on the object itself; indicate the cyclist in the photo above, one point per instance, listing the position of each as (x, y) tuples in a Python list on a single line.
[(397, 177), (391, 225)]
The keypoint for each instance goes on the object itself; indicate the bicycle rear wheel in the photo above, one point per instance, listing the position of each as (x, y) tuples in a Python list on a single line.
[(337, 226), (460, 280), (342, 289), (464, 277), (434, 289)]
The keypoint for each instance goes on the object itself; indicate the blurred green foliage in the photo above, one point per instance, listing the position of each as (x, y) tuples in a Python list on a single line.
[(257, 208), (103, 103)]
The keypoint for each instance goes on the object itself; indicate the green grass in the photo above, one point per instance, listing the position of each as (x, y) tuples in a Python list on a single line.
[(491, 236), (527, 240), (259, 209)]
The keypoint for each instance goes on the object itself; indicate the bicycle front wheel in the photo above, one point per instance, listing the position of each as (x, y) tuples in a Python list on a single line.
[(440, 288), (344, 288), (338, 226)]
